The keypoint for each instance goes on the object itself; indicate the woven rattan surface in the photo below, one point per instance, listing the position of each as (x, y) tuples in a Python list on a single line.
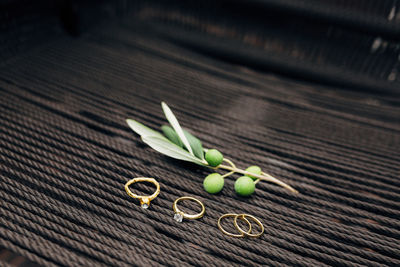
[(66, 153)]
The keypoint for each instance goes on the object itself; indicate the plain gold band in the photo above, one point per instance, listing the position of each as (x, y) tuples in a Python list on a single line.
[(143, 199), (248, 233), (188, 216), (230, 234)]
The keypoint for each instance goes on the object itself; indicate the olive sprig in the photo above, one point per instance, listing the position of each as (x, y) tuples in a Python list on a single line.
[(178, 143)]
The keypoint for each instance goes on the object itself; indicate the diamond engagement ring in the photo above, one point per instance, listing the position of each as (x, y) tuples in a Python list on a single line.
[(179, 215)]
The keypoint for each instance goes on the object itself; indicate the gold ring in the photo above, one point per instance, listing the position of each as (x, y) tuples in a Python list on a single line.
[(230, 234), (144, 200), (179, 215), (257, 221)]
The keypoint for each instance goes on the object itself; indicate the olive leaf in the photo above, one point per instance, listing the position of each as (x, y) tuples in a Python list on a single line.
[(166, 147), (195, 144), (172, 135), (142, 130), (175, 124)]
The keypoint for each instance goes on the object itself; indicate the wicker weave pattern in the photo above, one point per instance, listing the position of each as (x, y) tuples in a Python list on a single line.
[(66, 154)]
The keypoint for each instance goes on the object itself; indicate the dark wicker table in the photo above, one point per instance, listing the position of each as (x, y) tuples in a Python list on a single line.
[(66, 153)]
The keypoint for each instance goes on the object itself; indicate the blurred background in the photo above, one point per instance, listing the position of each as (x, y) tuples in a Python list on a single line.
[(350, 43)]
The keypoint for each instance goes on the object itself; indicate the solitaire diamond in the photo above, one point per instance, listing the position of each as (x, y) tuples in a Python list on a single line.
[(144, 202), (178, 217)]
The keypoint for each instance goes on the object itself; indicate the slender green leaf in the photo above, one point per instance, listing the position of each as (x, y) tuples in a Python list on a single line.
[(172, 135), (195, 144), (141, 129), (168, 148), (175, 124)]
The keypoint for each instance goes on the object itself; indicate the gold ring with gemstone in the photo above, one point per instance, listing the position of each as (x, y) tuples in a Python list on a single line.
[(144, 200), (235, 216), (179, 215), (248, 233)]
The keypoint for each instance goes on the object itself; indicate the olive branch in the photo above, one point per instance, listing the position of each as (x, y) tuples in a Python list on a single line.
[(178, 143)]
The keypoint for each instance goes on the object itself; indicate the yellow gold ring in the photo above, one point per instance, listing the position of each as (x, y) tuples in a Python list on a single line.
[(179, 215), (235, 216), (144, 200), (248, 233)]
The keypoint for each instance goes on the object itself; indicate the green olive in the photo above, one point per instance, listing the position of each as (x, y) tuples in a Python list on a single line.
[(255, 170), (213, 183), (244, 186), (214, 157)]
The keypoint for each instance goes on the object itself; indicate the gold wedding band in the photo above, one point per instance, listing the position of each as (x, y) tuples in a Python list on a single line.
[(144, 200), (230, 234), (248, 233), (179, 215), (242, 232)]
